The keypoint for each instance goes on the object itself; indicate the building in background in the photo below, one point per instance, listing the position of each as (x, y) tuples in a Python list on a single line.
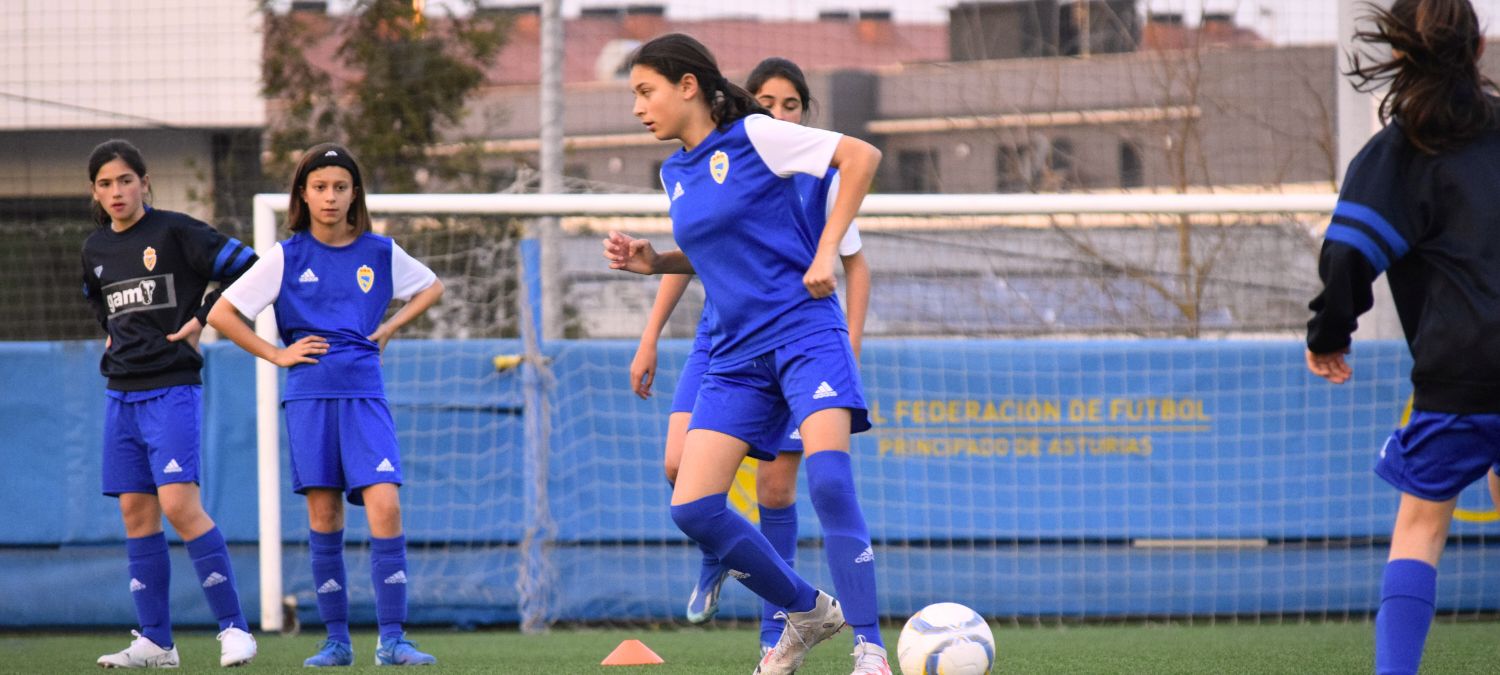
[(1008, 96), (178, 78)]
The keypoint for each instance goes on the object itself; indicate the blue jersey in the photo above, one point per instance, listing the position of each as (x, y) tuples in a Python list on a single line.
[(338, 292), (740, 220)]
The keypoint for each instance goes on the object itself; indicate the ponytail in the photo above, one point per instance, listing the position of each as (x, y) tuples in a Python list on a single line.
[(676, 55), (1437, 93)]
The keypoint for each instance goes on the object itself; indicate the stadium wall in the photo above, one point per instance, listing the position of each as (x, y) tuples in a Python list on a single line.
[(1025, 478)]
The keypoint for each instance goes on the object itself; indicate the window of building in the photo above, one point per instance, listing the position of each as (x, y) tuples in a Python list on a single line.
[(1132, 170), (1012, 169), (917, 171)]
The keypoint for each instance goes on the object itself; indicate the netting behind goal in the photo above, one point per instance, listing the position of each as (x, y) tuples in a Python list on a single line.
[(1078, 414)]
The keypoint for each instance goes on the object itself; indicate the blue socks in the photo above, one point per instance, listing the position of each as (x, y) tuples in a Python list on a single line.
[(211, 560), (331, 582), (851, 559), (150, 586), (1407, 595), (710, 522), (388, 572), (780, 528)]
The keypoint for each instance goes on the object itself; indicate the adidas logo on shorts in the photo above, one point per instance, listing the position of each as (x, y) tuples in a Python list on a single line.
[(739, 575), (398, 578), (214, 579), (330, 586), (385, 465), (172, 467), (867, 556), (136, 585), (824, 391)]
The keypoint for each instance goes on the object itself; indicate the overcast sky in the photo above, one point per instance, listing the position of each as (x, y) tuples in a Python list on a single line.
[(1284, 21)]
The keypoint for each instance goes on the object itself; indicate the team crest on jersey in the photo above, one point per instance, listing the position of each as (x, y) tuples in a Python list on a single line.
[(718, 165), (148, 257), (366, 277)]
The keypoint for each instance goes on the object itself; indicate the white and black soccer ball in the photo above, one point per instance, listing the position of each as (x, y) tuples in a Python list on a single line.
[(946, 638)]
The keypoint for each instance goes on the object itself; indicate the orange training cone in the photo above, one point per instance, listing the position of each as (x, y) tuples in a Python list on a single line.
[(631, 653)]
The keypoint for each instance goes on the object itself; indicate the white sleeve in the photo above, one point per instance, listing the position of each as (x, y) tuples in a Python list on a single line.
[(259, 286), (851, 243), (408, 276), (788, 148)]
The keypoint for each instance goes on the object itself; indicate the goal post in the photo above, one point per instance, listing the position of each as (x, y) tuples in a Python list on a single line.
[(891, 221)]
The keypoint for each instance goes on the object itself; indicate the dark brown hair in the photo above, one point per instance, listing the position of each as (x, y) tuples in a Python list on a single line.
[(105, 153), (785, 69), (1437, 95), (298, 216), (675, 55)]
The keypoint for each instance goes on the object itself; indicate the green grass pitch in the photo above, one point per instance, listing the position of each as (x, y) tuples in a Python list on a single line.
[(1463, 647)]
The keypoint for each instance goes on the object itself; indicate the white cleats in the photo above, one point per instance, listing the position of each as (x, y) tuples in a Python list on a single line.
[(803, 631), (869, 659), (236, 647), (142, 653)]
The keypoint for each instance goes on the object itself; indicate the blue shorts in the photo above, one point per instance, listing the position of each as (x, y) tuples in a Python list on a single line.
[(151, 438), (692, 375), (759, 400), (1436, 455), (342, 443)]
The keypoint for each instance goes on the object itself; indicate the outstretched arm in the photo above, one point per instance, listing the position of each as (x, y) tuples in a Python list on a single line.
[(857, 271), (643, 365), (637, 255)]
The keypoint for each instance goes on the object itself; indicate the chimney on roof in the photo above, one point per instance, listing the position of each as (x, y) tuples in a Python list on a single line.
[(643, 22), (874, 26)]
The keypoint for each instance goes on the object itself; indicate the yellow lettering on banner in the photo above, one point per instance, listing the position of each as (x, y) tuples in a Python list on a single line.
[(1006, 446), (1158, 410), (960, 411), (1085, 410)]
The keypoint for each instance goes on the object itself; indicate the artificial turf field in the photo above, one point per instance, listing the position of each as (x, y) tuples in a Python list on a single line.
[(1461, 647)]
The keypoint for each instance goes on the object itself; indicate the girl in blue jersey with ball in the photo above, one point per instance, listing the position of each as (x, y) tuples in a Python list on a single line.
[(331, 283), (781, 88), (780, 346), (1419, 205)]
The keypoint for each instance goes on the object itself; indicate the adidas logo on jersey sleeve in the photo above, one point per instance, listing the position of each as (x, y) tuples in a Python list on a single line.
[(214, 579), (385, 466), (824, 391), (172, 467), (307, 277), (330, 586)]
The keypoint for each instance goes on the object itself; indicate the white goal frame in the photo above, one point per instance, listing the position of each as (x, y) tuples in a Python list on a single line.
[(268, 206)]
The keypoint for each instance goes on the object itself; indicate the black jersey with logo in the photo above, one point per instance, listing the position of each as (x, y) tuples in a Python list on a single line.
[(145, 283)]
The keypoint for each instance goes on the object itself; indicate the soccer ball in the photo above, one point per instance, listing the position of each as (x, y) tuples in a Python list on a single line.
[(946, 638)]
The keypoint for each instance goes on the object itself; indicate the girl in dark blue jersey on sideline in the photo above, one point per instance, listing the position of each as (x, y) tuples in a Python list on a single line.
[(1419, 204), (331, 283), (144, 273), (780, 347), (780, 86)]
